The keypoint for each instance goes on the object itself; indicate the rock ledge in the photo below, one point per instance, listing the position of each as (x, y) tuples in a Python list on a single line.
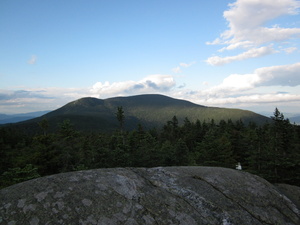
[(163, 195)]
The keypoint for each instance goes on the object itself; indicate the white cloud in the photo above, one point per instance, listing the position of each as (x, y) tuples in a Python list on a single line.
[(247, 21), (236, 90), (285, 75), (151, 84), (236, 82), (252, 99), (252, 53), (32, 60), (290, 50), (177, 69), (186, 64), (243, 44), (254, 13), (32, 99), (182, 65)]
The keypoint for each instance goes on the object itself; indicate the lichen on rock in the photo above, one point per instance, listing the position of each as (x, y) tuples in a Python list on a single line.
[(162, 195)]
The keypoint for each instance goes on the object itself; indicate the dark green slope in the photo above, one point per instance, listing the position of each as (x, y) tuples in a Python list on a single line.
[(85, 114), (157, 109), (148, 110), (153, 110)]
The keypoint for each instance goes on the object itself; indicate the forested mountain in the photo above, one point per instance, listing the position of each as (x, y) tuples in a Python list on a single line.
[(149, 131), (271, 150), (92, 114)]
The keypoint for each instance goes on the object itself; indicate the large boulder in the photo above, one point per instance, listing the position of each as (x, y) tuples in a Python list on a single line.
[(171, 195)]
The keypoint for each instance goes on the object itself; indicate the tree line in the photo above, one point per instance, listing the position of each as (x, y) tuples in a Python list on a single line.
[(271, 150)]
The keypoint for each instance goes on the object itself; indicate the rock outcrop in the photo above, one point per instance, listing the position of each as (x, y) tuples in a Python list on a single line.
[(169, 195)]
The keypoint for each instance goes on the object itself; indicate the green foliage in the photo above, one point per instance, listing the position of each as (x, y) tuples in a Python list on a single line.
[(120, 116), (44, 125), (271, 150), (215, 150), (66, 129), (17, 175)]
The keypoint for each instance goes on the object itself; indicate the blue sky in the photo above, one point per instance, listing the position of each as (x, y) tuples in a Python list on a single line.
[(237, 54)]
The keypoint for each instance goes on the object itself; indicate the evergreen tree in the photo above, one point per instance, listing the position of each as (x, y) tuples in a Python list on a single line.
[(171, 130), (271, 150), (44, 125), (215, 150), (181, 153), (17, 175), (120, 117), (280, 143)]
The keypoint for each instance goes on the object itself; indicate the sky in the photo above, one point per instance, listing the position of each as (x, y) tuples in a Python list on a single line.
[(222, 53)]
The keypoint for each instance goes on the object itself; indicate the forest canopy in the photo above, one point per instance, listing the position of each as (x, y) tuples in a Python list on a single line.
[(271, 150)]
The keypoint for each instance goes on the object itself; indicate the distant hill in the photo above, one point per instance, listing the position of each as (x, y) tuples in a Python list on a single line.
[(295, 119), (148, 110), (14, 118)]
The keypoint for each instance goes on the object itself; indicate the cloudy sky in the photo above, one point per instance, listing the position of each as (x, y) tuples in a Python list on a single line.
[(237, 54)]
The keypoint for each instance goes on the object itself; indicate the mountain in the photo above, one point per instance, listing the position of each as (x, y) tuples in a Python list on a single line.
[(295, 119), (14, 118), (148, 110)]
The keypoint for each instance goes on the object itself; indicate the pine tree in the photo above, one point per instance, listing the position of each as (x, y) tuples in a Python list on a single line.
[(120, 117), (281, 144)]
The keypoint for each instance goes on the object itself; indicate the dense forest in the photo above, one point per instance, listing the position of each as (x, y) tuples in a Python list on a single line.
[(271, 150)]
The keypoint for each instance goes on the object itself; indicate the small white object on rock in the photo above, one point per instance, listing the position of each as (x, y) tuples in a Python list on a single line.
[(239, 166)]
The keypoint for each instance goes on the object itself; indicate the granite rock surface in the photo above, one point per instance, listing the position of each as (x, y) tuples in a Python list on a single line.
[(162, 195)]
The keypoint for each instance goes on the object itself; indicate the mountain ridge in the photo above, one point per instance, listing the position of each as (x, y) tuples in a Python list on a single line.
[(18, 117), (150, 110)]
